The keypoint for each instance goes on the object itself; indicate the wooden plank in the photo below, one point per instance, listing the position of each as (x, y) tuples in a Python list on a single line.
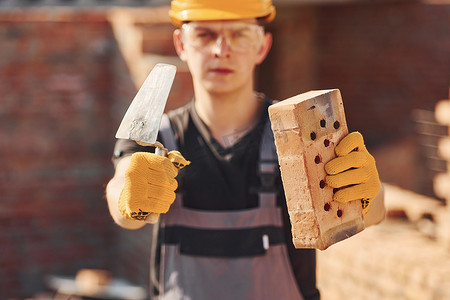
[(426, 123), (306, 128), (415, 206), (431, 129), (436, 164)]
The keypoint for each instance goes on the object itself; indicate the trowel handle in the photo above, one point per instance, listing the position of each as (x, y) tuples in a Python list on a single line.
[(153, 218), (161, 151)]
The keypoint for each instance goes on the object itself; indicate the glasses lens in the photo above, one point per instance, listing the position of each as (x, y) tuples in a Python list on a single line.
[(238, 36)]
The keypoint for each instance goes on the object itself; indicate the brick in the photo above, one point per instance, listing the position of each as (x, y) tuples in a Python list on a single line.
[(307, 128), (444, 148), (443, 227), (442, 112), (441, 186)]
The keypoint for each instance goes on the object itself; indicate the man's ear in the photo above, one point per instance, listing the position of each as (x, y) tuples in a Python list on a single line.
[(178, 43), (265, 48)]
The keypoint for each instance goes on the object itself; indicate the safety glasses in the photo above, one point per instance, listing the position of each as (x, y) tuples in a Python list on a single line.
[(239, 36)]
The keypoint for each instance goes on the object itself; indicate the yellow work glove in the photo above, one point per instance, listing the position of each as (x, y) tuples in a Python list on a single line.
[(150, 184), (353, 172)]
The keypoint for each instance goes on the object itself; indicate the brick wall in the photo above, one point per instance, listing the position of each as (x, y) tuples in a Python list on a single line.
[(64, 88), (387, 58), (55, 140)]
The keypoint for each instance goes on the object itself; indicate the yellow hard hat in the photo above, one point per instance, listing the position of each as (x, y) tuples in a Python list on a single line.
[(208, 10)]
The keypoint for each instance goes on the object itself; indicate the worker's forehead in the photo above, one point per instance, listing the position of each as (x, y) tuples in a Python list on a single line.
[(223, 23)]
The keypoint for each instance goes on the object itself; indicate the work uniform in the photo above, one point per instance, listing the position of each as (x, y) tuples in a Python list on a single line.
[(227, 235)]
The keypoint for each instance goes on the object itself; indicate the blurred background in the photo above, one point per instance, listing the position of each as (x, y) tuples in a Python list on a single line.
[(69, 69)]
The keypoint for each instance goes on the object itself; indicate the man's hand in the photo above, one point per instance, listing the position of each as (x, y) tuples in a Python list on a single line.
[(353, 172), (150, 184)]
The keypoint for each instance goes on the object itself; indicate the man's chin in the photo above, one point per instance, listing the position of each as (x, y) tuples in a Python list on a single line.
[(219, 86)]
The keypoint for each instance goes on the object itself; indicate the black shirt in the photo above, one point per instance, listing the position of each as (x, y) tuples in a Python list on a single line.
[(221, 178)]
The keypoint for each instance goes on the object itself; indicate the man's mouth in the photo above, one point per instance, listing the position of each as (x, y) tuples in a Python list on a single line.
[(222, 71)]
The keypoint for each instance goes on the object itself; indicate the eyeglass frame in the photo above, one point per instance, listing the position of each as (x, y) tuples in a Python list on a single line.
[(260, 31)]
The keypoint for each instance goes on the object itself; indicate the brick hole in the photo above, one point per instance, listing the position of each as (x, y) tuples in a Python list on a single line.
[(322, 184), (327, 206), (339, 213), (326, 142), (317, 159), (428, 216), (313, 135), (336, 125), (323, 123)]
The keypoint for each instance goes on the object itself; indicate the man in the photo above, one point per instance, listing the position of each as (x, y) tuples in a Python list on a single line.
[(222, 237)]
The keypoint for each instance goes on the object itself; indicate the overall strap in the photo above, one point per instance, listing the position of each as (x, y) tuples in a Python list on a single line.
[(268, 164), (168, 139), (169, 142), (166, 132)]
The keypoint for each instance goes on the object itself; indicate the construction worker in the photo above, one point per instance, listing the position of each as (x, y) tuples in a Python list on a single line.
[(225, 233)]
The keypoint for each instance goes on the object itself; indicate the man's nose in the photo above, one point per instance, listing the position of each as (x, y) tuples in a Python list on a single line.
[(222, 47)]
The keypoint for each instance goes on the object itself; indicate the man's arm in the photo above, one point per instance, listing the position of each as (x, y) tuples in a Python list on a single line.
[(113, 190)]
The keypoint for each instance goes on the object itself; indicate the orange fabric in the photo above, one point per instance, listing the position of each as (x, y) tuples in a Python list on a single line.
[(210, 10)]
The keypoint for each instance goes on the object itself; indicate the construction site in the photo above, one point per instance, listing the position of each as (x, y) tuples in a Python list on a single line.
[(69, 69)]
